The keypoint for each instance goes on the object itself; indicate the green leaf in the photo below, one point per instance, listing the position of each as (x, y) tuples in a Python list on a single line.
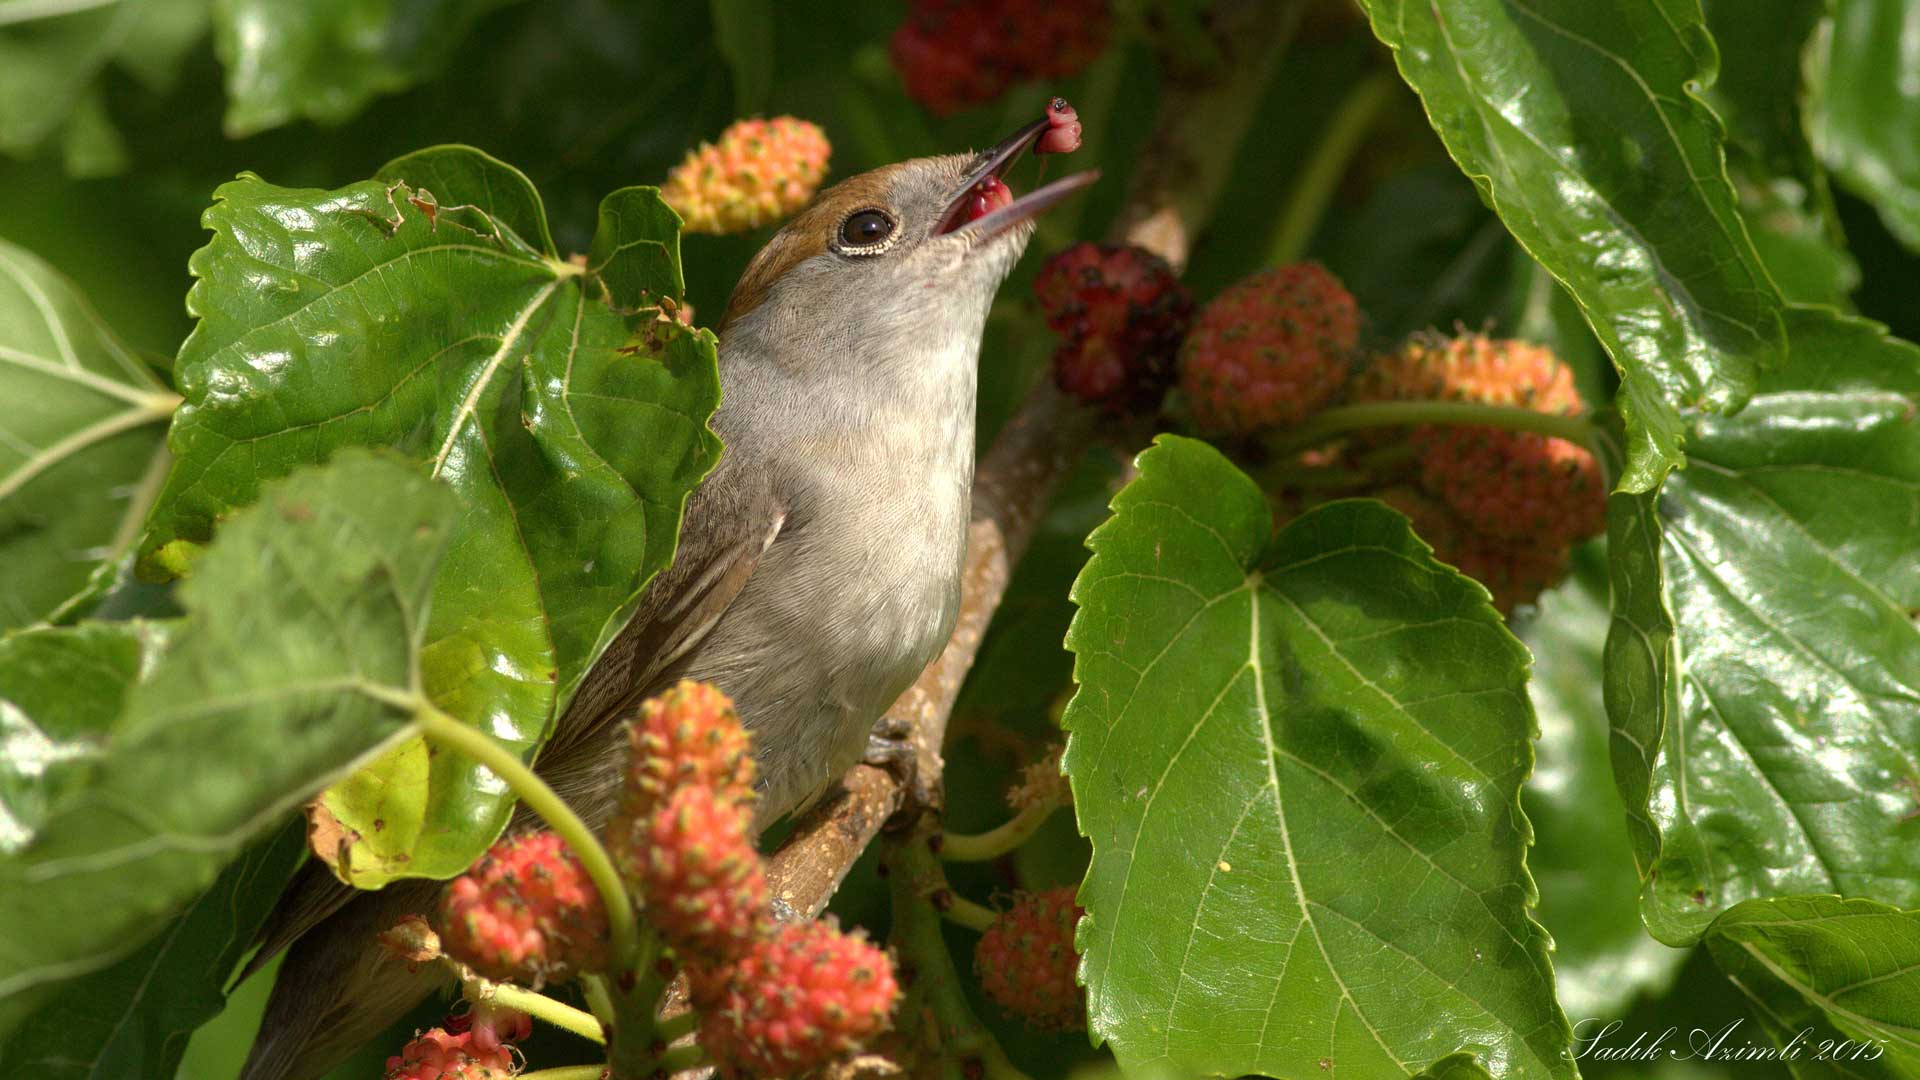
[(113, 1023), (81, 442), (636, 250), (451, 177), (1863, 108), (54, 58), (1589, 893), (325, 62), (59, 690), (1834, 982), (1299, 758), (1579, 124), (374, 316), (298, 655), (1782, 188), (1763, 667), (1455, 1067)]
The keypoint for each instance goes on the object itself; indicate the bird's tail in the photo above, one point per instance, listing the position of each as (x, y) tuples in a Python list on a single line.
[(338, 987)]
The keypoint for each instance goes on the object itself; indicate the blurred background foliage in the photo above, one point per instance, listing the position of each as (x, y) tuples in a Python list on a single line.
[(118, 119)]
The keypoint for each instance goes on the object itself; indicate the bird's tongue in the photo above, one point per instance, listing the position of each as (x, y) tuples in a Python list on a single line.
[(987, 196)]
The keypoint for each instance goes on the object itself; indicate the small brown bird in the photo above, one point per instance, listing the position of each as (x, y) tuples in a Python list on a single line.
[(819, 565)]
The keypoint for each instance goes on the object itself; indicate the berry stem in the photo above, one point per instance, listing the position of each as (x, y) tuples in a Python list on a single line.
[(1337, 144), (444, 730), (1394, 413), (980, 847), (539, 1006), (566, 1072), (935, 996), (594, 988), (961, 911)]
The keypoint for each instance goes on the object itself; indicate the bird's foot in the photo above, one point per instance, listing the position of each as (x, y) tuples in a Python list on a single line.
[(890, 747)]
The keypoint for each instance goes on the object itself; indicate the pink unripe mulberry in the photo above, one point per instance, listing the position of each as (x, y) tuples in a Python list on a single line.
[(441, 1055), (526, 912), (756, 173), (1271, 350), (1522, 487), (696, 866), (797, 999), (1026, 961), (689, 736)]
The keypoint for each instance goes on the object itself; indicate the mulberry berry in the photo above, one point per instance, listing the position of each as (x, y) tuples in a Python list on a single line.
[(794, 1001), (695, 864), (440, 1055), (1026, 961), (1271, 350), (526, 912), (1119, 313), (756, 173)]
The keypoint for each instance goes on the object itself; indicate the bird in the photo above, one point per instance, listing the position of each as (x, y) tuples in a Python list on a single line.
[(819, 564)]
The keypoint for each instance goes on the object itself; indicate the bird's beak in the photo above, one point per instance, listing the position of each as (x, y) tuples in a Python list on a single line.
[(985, 178)]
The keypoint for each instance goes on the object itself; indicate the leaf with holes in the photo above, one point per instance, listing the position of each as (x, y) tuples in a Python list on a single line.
[(1838, 979), (1579, 123), (1299, 758), (427, 312), (326, 61), (298, 656), (1763, 666), (81, 454)]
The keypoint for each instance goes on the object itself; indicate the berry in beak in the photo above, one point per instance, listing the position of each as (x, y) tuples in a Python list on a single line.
[(986, 206)]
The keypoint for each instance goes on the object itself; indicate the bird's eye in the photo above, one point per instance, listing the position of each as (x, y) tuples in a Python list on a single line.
[(865, 231)]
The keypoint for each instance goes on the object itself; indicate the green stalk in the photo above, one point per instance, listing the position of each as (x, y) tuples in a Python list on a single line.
[(961, 911), (594, 988), (980, 847), (540, 1007), (1396, 413), (440, 728), (1336, 147), (567, 1072), (966, 1049)]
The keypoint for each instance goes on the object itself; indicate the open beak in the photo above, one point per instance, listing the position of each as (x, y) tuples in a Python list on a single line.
[(985, 188)]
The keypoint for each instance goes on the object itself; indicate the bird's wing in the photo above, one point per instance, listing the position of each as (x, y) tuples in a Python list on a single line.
[(726, 529)]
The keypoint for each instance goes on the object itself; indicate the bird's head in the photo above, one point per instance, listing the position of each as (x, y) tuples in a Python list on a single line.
[(908, 253)]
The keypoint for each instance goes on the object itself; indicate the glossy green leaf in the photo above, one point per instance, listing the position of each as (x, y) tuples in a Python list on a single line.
[(325, 62), (1863, 108), (1835, 982), (1455, 1067), (1578, 122), (375, 315), (81, 440), (1603, 957), (1763, 667), (132, 1019), (54, 58), (1299, 759), (299, 654), (451, 177)]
